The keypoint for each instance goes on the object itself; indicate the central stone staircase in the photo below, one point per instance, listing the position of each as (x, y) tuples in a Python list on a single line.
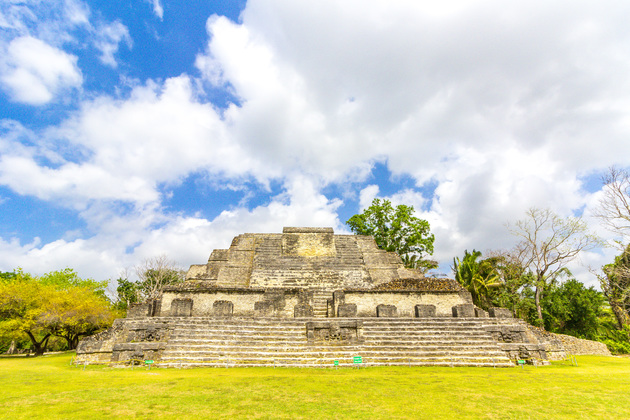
[(320, 302), (234, 342)]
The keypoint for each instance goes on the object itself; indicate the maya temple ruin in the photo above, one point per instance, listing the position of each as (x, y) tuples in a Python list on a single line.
[(309, 298)]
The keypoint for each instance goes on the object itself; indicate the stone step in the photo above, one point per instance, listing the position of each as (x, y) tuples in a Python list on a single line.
[(302, 330), (329, 364), (433, 340), (194, 343), (367, 358), (370, 320), (343, 361), (414, 322), (384, 341), (380, 338), (415, 336), (370, 354)]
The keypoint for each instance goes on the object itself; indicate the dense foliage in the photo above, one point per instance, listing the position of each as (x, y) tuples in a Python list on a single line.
[(616, 287), (547, 244), (478, 277), (567, 306), (396, 230), (57, 304)]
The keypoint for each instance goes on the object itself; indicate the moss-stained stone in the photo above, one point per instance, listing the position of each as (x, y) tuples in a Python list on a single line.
[(306, 297)]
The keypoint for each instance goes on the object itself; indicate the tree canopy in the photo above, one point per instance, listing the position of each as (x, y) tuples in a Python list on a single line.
[(396, 230), (56, 304), (615, 284), (548, 243), (479, 277)]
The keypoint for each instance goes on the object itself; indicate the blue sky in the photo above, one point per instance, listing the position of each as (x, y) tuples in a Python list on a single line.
[(134, 129)]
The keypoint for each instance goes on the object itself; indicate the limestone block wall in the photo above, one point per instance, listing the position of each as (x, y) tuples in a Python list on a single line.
[(405, 301), (323, 278), (308, 242), (559, 346), (243, 300), (301, 257), (126, 339)]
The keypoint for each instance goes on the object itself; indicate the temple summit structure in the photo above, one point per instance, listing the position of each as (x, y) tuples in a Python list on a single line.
[(310, 298)]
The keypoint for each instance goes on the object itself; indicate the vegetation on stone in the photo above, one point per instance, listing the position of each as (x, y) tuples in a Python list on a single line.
[(425, 284)]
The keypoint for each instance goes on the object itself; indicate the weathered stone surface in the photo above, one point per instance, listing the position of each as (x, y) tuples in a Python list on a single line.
[(386, 311), (305, 296), (500, 313), (223, 308), (330, 308), (265, 298), (466, 310), (424, 311), (303, 310), (480, 313), (339, 297), (181, 307), (347, 310), (307, 257), (139, 310), (263, 308), (404, 300), (334, 332), (559, 346), (424, 284), (308, 242)]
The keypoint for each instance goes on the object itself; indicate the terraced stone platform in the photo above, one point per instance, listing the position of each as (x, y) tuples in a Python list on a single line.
[(308, 298), (267, 342), (242, 342)]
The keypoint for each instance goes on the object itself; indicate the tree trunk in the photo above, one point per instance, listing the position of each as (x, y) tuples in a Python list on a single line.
[(12, 348), (39, 347), (622, 316), (538, 308), (72, 340)]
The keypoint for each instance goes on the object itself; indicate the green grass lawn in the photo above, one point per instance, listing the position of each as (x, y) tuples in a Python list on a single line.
[(48, 387)]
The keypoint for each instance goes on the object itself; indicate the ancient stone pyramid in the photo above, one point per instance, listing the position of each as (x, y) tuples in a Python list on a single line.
[(308, 297)]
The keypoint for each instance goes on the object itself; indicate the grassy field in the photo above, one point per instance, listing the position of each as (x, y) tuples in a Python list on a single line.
[(48, 387)]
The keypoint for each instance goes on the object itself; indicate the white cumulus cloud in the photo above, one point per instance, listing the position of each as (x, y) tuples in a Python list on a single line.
[(34, 72)]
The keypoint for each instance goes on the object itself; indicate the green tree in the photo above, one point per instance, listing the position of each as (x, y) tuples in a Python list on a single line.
[(548, 243), (573, 309), (615, 284), (67, 278), (480, 278), (396, 230), (126, 293), (23, 304), (77, 312), (513, 278), (56, 304)]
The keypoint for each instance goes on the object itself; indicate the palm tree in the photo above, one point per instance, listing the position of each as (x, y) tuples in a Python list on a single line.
[(478, 277)]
